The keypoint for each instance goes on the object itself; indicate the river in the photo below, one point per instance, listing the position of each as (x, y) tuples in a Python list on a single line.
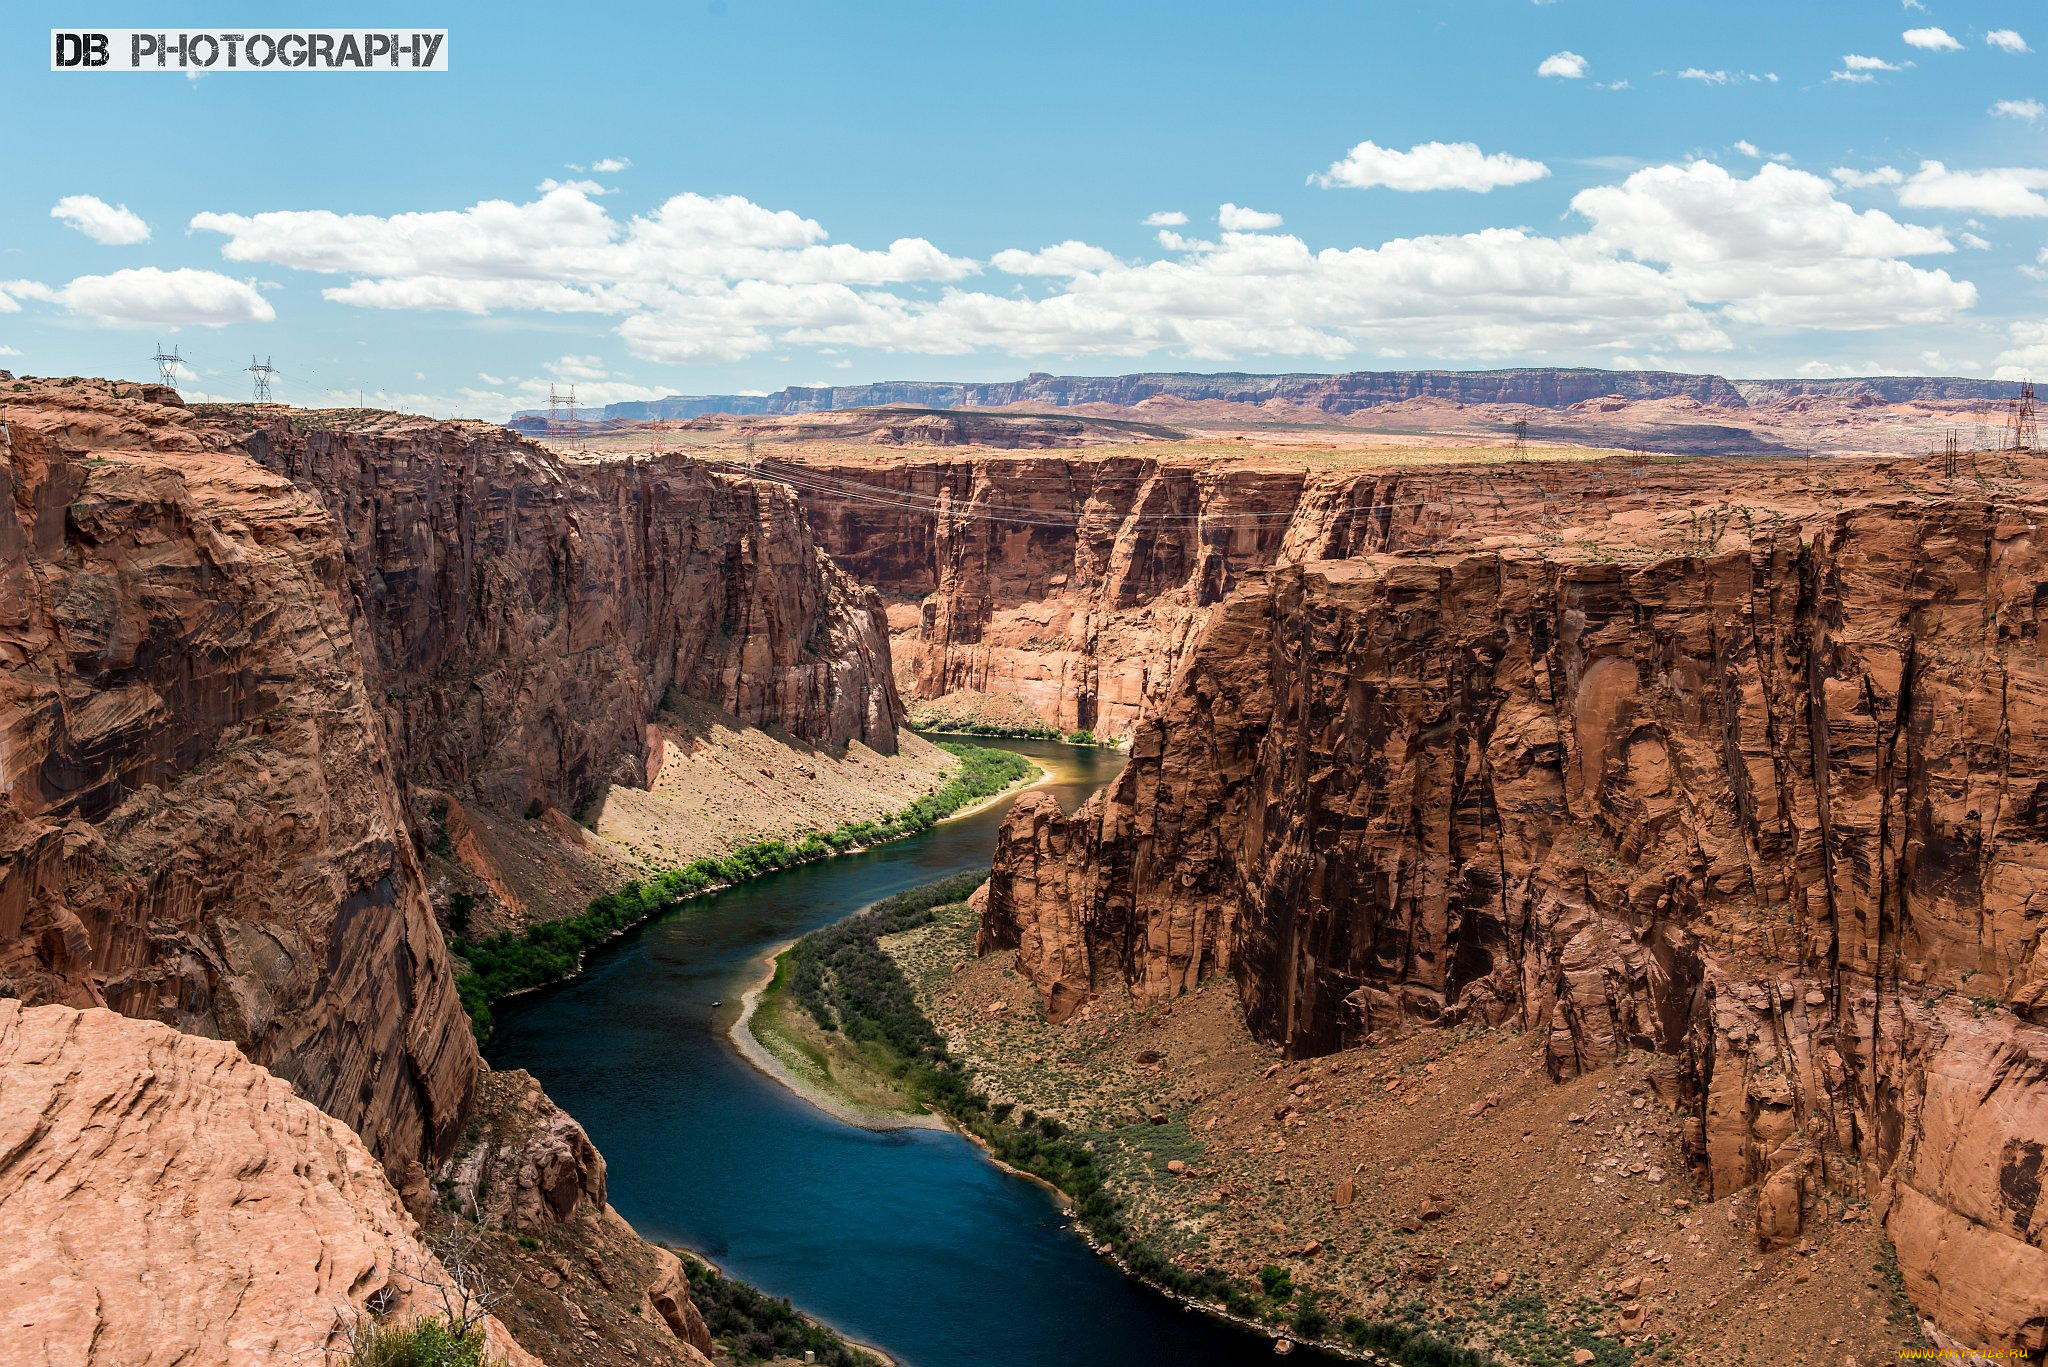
[(911, 1240)]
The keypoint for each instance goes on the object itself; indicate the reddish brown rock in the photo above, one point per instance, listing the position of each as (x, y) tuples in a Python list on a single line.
[(202, 820), (183, 1205), (1753, 785)]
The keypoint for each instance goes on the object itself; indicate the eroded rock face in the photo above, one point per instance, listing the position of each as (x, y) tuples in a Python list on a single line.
[(529, 614), (202, 821), (527, 1186), (186, 1206), (1761, 796)]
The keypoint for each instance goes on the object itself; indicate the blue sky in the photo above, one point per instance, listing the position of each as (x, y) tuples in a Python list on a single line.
[(831, 193)]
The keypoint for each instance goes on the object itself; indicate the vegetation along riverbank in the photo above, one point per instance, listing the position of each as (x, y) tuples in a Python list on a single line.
[(496, 967), (841, 1003)]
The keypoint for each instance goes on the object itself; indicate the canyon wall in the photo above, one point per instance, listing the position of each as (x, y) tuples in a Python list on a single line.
[(1545, 387), (529, 615), (1069, 588), (202, 822), (1760, 790)]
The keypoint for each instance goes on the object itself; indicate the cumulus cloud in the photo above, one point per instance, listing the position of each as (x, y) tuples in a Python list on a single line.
[(1233, 218), (1567, 65), (1429, 166), (1776, 249), (563, 252), (1999, 191), (605, 166), (1065, 259), (1169, 218), (1664, 264), (147, 296), (2007, 39), (2030, 110), (115, 225), (1930, 39)]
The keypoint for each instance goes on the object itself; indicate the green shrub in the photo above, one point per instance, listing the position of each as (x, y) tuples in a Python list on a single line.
[(755, 1327), (428, 1342)]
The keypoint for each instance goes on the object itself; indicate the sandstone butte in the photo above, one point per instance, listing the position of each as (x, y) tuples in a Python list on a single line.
[(244, 646), (1748, 774)]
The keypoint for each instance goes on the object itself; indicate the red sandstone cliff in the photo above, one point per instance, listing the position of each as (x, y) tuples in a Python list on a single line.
[(529, 614), (1757, 785), (238, 642), (202, 821)]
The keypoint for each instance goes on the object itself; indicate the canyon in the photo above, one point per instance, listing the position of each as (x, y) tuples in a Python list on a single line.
[(1713, 778)]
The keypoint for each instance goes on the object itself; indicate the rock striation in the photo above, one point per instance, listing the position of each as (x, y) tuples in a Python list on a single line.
[(186, 1206), (202, 821), (530, 614), (1754, 785)]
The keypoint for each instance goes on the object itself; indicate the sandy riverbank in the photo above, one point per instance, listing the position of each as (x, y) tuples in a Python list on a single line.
[(761, 1057)]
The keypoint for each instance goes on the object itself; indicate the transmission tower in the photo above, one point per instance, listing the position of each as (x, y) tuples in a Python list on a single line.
[(167, 363), (1521, 447), (2021, 433), (572, 403), (263, 371)]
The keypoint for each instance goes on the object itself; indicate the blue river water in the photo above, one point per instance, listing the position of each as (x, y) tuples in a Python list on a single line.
[(911, 1241)]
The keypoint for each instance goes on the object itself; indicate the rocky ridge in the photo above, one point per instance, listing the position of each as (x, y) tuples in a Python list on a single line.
[(1748, 784)]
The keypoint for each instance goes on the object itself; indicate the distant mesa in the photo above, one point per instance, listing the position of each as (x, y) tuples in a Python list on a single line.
[(1539, 387)]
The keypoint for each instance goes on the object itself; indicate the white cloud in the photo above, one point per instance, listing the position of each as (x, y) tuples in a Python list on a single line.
[(1852, 77), (1568, 65), (1429, 166), (1776, 249), (1930, 39), (147, 296), (2030, 110), (2027, 357), (1693, 73), (8, 351), (2007, 39), (1169, 218), (1068, 258), (563, 252), (1235, 219), (1671, 259), (2000, 191), (1973, 242), (114, 225), (1856, 61), (606, 166), (1747, 148), (1850, 179)]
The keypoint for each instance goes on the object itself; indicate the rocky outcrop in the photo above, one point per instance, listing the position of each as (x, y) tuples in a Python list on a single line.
[(174, 1203), (526, 1190), (1753, 787), (1543, 387), (202, 822)]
